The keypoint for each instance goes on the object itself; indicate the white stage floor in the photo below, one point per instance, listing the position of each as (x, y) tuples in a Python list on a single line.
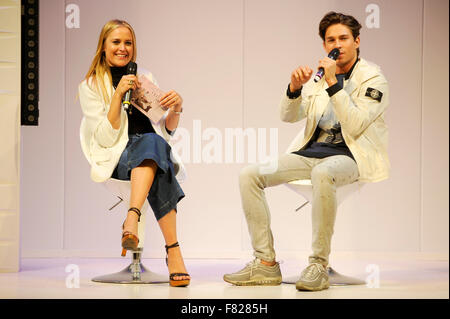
[(392, 276)]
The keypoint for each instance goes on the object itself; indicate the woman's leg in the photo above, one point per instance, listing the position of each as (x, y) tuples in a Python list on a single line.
[(168, 225), (141, 180)]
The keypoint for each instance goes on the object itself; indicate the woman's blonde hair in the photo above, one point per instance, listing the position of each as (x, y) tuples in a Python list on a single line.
[(99, 66)]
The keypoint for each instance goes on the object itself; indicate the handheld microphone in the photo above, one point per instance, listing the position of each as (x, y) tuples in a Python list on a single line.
[(334, 54), (131, 69)]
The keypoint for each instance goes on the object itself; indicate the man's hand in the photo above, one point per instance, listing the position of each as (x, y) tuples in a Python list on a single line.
[(299, 77), (329, 67)]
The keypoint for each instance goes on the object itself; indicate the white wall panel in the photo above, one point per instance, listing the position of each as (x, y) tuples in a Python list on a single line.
[(42, 183), (278, 38), (231, 61), (9, 136), (435, 129), (194, 48)]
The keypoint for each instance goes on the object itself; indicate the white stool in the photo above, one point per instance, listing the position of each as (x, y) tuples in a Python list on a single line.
[(135, 273), (304, 188)]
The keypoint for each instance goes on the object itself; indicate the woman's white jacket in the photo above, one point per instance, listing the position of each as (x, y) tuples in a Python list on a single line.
[(103, 145)]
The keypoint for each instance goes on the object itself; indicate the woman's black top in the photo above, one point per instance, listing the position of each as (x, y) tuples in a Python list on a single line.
[(137, 121)]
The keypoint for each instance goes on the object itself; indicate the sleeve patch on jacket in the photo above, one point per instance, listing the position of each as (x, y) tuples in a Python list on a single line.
[(374, 94)]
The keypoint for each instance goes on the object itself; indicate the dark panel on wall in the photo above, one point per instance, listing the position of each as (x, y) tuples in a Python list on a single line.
[(30, 63)]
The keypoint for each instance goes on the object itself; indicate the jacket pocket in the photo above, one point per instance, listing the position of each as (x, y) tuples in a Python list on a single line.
[(99, 154)]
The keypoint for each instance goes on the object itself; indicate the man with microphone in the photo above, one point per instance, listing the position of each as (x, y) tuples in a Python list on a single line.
[(345, 140)]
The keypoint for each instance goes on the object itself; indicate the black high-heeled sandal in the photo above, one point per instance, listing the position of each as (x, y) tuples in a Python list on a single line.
[(129, 240), (173, 282)]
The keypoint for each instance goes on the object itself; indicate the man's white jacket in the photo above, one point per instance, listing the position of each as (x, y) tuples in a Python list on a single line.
[(103, 145), (360, 113)]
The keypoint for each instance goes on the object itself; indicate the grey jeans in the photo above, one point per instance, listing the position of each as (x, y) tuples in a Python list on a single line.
[(326, 175)]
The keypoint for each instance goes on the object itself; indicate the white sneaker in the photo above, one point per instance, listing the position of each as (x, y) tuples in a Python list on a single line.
[(255, 274), (313, 278)]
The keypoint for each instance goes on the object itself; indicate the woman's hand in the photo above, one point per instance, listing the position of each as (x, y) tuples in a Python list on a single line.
[(172, 100), (127, 82)]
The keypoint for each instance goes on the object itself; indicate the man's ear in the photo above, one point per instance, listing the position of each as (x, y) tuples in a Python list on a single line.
[(357, 41)]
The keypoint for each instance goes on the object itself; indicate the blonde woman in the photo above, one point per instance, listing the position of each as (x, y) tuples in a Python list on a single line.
[(126, 145)]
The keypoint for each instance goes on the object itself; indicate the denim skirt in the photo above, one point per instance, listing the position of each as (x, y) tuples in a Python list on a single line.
[(165, 191)]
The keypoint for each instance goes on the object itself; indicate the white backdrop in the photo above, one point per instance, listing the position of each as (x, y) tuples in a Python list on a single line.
[(231, 61)]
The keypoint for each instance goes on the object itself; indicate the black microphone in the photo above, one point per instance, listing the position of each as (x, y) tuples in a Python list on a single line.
[(332, 55), (131, 69)]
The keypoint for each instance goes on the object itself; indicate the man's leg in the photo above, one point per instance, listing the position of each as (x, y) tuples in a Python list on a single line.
[(252, 182), (326, 176)]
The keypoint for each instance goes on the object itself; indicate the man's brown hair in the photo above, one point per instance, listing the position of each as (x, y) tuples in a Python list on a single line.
[(339, 18)]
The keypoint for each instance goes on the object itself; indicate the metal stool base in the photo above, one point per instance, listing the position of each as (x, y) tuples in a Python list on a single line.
[(335, 278), (135, 273)]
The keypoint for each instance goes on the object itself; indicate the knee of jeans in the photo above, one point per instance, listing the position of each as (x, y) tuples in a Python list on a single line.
[(321, 174)]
